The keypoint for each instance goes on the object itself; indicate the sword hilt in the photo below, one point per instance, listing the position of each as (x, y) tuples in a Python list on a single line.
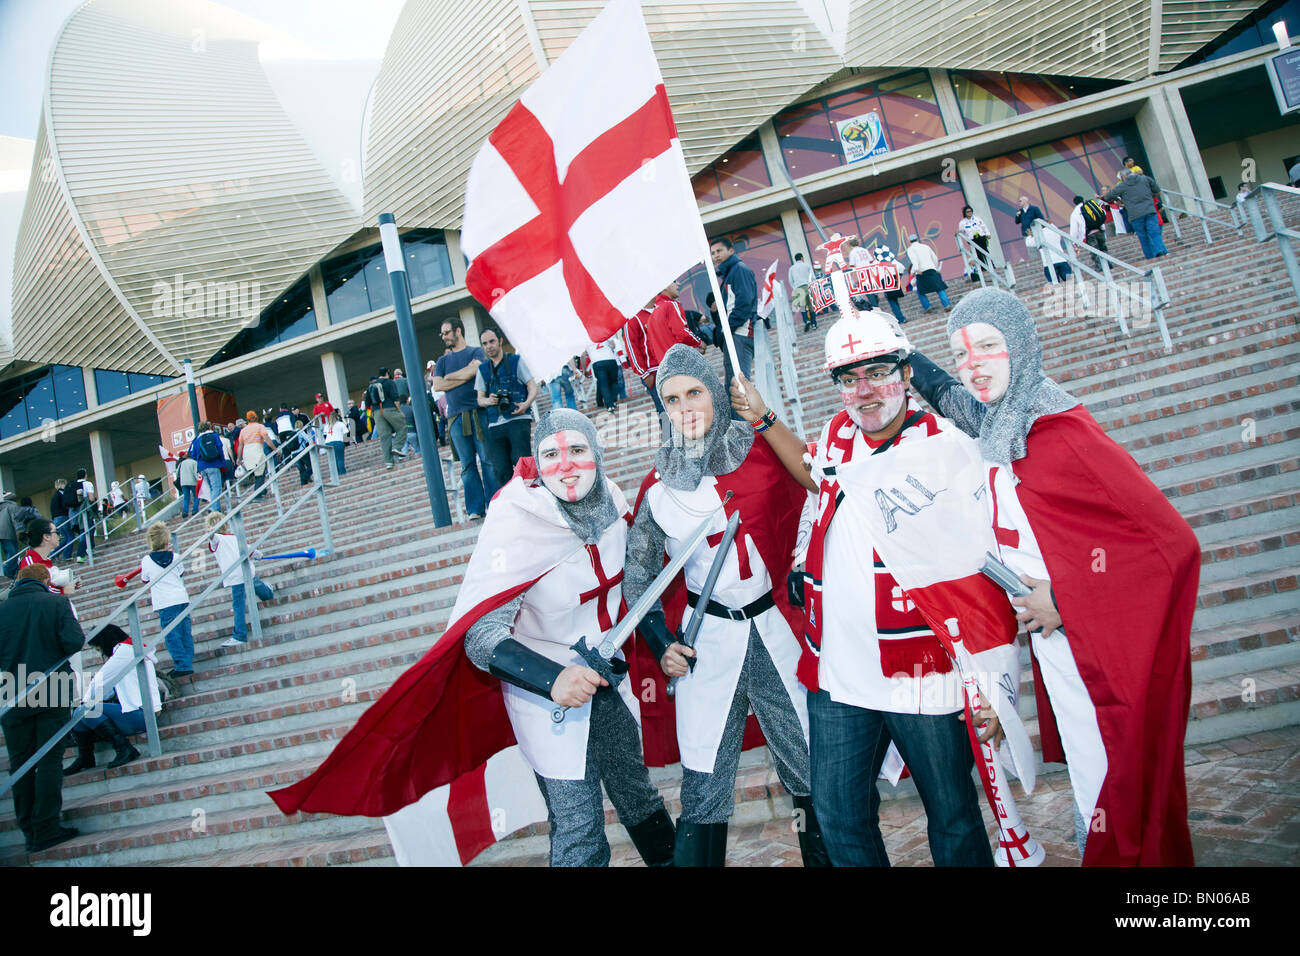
[(612, 670)]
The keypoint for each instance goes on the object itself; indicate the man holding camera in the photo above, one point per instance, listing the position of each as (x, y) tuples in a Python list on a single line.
[(507, 390)]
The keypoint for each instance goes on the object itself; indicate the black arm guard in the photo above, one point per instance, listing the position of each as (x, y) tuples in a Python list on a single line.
[(654, 630), (516, 664)]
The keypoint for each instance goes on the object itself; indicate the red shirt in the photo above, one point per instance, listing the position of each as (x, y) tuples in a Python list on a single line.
[(634, 334), (667, 327), (322, 408), (32, 557)]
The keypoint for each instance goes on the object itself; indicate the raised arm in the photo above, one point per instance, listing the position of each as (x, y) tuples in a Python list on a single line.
[(789, 447), (946, 394)]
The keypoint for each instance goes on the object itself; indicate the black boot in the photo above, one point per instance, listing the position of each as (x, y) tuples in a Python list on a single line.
[(653, 838), (700, 844), (810, 835), (85, 752), (125, 753)]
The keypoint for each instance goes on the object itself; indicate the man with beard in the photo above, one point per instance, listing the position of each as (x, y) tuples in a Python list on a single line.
[(516, 617), (746, 653)]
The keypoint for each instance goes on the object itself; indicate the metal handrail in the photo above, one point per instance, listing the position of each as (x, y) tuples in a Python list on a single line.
[(1264, 198), (128, 606), (973, 257), (1206, 221), (1153, 304)]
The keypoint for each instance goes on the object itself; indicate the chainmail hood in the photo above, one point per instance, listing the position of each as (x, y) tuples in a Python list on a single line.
[(592, 514), (1030, 394), (682, 462)]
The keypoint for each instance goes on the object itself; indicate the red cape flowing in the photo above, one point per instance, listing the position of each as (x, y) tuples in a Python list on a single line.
[(769, 501), (1124, 567)]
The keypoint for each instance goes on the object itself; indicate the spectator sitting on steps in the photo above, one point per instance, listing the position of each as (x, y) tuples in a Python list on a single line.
[(114, 720)]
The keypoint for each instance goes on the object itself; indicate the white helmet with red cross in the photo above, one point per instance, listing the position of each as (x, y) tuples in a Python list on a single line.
[(861, 334), (869, 334)]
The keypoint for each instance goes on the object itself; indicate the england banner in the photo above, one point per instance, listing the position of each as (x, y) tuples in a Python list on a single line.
[(578, 208), (766, 297)]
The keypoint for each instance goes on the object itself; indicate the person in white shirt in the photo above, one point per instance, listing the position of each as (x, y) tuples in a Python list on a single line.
[(800, 276), (163, 569), (114, 720), (972, 227), (336, 437), (234, 575), (860, 256), (1081, 230), (925, 267), (604, 366)]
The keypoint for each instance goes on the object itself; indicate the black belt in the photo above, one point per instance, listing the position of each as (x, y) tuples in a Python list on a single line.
[(750, 610)]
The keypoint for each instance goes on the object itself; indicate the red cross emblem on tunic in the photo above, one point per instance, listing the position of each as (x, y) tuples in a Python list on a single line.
[(544, 240), (742, 551), (603, 586)]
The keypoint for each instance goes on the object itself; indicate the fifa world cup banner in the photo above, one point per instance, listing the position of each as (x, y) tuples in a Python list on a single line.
[(862, 137), (175, 426), (862, 280)]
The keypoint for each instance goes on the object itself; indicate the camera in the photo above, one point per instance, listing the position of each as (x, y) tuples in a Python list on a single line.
[(504, 402)]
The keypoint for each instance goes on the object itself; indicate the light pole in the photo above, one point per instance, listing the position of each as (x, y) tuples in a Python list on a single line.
[(396, 264)]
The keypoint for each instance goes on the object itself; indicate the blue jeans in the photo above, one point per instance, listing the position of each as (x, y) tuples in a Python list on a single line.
[(129, 723), (212, 479), (337, 447), (67, 529), (189, 500), (555, 385), (848, 746), (180, 641), (263, 592), (1149, 235), (9, 550), (925, 299), (654, 397), (471, 451), (895, 308)]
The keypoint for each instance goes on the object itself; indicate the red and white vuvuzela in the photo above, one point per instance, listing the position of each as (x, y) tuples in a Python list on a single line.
[(578, 208)]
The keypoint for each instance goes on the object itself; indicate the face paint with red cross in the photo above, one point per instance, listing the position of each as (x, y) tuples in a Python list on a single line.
[(983, 360), (567, 464), (873, 394)]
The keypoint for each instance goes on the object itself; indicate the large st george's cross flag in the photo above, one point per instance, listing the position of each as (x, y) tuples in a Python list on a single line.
[(578, 208)]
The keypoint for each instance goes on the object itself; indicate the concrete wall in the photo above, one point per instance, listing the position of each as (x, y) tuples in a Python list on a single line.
[(1267, 149)]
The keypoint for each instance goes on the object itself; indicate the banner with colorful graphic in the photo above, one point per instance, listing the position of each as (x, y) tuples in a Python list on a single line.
[(862, 137)]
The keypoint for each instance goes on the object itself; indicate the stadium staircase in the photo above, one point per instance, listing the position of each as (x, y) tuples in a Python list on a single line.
[(1213, 423)]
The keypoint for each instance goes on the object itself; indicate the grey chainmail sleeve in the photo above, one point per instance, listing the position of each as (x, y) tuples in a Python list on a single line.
[(490, 630), (946, 395), (645, 555)]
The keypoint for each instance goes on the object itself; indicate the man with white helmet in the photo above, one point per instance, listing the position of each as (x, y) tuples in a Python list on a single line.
[(883, 471)]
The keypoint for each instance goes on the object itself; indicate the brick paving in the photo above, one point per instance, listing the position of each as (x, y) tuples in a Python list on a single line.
[(1243, 805)]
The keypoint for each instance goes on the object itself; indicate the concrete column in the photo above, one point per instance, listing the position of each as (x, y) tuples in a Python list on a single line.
[(795, 238), (772, 157), (101, 457), (949, 110), (470, 318), (92, 390), (968, 175), (336, 380), (7, 480), (455, 256), (318, 301), (1170, 144)]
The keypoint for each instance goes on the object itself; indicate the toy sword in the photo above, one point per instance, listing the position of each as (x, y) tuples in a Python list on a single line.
[(706, 593), (600, 658)]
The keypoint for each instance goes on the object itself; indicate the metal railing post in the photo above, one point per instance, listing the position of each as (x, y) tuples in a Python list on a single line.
[(253, 618), (323, 509), (142, 675), (1284, 243)]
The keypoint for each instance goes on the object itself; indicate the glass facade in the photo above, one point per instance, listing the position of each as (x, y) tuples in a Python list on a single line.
[(110, 385), (992, 97), (1051, 174), (357, 283), (757, 247), (742, 170), (1254, 32), (46, 394), (288, 317), (905, 113), (928, 207)]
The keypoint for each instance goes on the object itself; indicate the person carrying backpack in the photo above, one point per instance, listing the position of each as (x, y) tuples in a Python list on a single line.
[(1088, 225), (210, 456)]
